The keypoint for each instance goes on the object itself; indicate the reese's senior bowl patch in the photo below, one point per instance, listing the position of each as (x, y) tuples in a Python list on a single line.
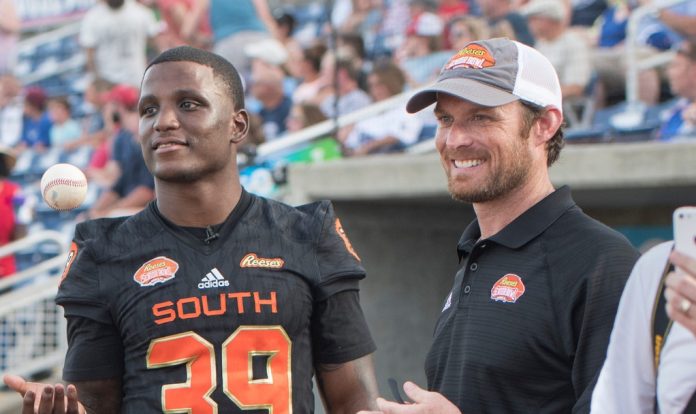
[(508, 288), (157, 270), (471, 57)]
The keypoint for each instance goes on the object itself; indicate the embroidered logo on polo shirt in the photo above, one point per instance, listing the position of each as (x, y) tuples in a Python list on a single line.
[(508, 288), (157, 270)]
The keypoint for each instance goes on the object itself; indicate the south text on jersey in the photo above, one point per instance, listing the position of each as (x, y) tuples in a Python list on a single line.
[(214, 305)]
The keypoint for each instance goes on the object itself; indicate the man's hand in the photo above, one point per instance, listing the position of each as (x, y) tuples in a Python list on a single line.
[(424, 402), (681, 291), (45, 398)]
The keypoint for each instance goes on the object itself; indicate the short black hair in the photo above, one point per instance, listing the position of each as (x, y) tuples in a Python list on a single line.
[(354, 40), (314, 54), (286, 19), (115, 4), (349, 67), (222, 68), (5, 169)]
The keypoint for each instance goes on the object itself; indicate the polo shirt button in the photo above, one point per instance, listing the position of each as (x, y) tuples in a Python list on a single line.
[(467, 289), (473, 267)]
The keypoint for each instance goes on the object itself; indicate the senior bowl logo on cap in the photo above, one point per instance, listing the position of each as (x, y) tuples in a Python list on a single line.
[(504, 71), (471, 57)]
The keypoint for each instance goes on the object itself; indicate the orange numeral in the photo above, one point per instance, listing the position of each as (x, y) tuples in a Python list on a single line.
[(272, 392), (198, 355)]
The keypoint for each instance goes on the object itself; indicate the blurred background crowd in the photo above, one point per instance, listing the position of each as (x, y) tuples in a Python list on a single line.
[(324, 80), (69, 80)]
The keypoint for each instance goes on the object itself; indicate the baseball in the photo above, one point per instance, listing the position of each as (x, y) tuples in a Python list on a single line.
[(63, 187)]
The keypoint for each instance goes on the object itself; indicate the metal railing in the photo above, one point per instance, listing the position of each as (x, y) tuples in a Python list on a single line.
[(32, 327), (635, 109), (43, 72), (306, 135)]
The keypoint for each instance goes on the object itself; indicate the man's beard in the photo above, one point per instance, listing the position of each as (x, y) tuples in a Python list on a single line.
[(510, 174)]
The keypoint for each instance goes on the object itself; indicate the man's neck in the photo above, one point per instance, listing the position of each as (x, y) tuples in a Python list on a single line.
[(495, 215), (197, 204)]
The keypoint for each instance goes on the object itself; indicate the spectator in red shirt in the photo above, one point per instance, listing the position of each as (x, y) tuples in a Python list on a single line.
[(187, 23), (10, 194), (448, 9)]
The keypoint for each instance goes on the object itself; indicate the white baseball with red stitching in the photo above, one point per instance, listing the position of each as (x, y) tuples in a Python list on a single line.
[(63, 187)]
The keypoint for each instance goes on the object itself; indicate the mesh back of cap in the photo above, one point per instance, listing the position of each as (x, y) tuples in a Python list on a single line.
[(537, 81)]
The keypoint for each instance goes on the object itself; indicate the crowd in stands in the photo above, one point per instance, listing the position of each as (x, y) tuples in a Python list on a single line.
[(288, 61), (300, 70)]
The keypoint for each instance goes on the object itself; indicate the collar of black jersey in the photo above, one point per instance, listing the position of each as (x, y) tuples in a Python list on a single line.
[(221, 229), (525, 227)]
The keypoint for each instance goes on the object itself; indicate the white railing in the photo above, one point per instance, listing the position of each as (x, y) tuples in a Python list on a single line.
[(306, 135), (41, 268), (63, 31), (50, 68), (635, 109), (32, 327)]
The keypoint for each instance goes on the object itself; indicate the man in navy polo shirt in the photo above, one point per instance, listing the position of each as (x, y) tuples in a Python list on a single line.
[(526, 325)]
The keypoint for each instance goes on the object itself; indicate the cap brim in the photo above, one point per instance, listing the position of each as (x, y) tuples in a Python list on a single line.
[(467, 89)]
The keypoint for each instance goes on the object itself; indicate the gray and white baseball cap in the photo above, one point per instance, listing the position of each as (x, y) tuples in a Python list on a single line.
[(494, 72)]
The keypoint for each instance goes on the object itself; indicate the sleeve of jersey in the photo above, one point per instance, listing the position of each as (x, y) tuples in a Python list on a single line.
[(95, 351), (339, 331), (79, 292), (338, 264)]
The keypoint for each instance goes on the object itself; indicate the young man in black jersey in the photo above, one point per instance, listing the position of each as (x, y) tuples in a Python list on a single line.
[(211, 299)]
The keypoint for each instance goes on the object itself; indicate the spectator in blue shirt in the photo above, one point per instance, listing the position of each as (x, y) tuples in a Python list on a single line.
[(36, 124), (503, 19), (267, 88), (65, 130), (134, 187), (680, 119), (238, 23)]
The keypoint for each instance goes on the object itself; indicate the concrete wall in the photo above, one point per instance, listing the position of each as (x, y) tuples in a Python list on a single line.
[(400, 219), (411, 258)]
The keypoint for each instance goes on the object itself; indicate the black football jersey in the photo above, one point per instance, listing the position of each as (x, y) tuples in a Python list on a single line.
[(235, 325)]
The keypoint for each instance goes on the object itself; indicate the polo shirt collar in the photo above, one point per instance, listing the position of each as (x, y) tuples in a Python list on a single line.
[(524, 228)]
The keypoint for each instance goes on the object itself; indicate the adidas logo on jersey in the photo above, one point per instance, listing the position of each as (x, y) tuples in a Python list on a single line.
[(213, 279)]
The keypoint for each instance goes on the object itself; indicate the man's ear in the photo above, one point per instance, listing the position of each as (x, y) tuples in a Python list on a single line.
[(547, 124), (239, 126)]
